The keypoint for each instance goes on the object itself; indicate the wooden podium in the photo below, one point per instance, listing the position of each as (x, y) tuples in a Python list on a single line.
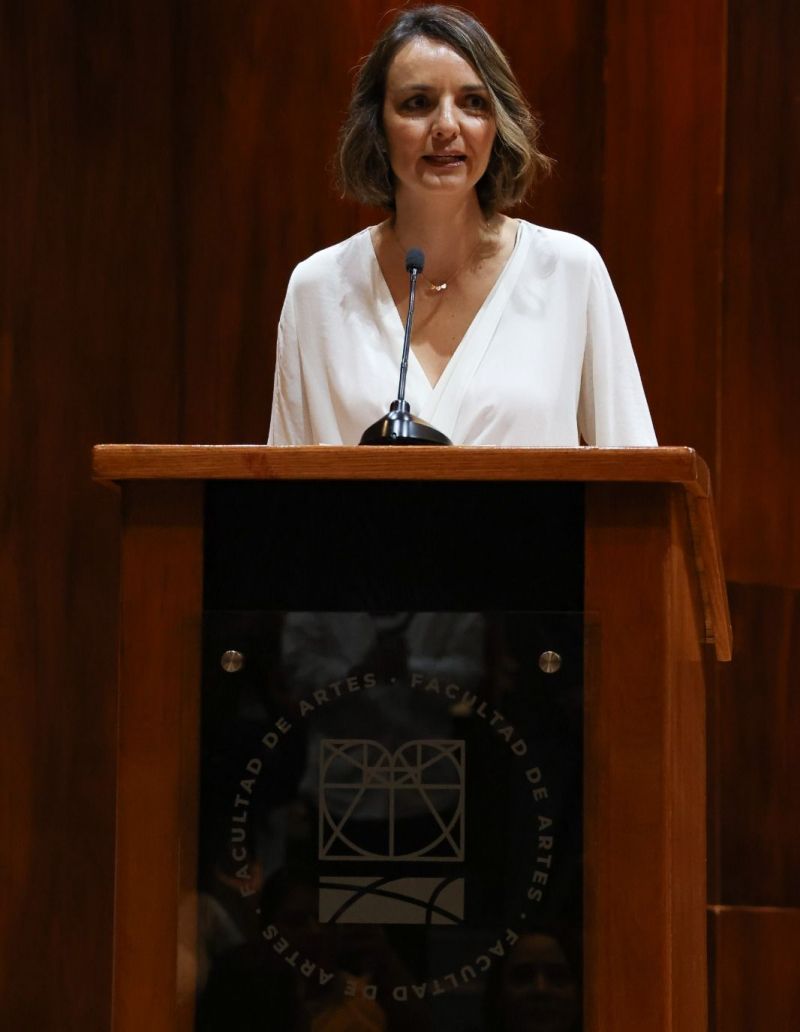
[(629, 532)]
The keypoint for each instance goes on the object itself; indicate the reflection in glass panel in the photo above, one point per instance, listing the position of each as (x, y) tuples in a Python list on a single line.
[(391, 823)]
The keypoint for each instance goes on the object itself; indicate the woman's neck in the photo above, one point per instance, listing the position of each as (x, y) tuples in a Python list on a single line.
[(446, 233)]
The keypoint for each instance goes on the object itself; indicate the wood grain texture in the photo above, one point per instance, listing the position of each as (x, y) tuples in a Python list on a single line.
[(645, 816), (757, 731), (755, 714), (86, 318), (756, 982), (760, 376), (662, 202), (157, 769), (119, 462), (689, 667), (711, 575), (261, 94)]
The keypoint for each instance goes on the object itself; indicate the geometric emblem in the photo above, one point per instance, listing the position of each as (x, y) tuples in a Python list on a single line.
[(423, 779), (373, 900)]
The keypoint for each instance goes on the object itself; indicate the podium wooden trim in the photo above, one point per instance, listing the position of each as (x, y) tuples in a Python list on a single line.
[(654, 594), (253, 461), (126, 462)]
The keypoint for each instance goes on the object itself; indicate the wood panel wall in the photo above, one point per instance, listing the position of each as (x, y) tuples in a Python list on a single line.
[(163, 167), (754, 982), (662, 202), (756, 775), (759, 383)]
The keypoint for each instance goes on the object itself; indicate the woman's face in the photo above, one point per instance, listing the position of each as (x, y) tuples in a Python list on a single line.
[(438, 120)]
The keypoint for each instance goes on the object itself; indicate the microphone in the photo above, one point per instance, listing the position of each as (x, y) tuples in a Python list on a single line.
[(398, 426)]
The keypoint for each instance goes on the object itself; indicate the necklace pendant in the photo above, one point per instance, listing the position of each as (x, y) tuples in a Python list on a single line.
[(438, 287)]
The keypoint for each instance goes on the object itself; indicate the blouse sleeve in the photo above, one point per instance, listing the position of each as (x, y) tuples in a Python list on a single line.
[(289, 423), (612, 410)]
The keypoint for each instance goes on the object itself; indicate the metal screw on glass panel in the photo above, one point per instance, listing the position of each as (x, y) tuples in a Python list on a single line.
[(231, 661), (549, 662)]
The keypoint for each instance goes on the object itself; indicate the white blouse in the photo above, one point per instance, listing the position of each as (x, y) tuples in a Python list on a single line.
[(547, 357)]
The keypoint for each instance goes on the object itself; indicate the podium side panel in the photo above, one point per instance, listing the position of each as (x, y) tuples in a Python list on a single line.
[(161, 599), (644, 773), (686, 741)]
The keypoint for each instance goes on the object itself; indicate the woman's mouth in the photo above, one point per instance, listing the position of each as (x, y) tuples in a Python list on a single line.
[(445, 160)]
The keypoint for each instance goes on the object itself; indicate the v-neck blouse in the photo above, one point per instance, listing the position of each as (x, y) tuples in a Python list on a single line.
[(547, 357)]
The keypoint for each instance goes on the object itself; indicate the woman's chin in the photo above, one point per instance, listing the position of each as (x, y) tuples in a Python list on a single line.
[(441, 183)]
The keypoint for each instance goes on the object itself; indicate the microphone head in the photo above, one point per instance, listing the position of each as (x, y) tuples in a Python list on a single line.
[(415, 259)]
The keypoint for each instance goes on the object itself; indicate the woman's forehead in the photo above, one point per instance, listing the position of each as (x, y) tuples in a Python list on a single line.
[(426, 61)]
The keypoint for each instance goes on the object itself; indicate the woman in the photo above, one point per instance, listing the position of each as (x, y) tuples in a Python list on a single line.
[(518, 336)]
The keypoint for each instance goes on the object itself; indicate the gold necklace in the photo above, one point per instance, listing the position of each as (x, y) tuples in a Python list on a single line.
[(439, 288)]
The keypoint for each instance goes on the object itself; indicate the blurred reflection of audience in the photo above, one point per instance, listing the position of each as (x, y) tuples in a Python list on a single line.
[(251, 986), (371, 658), (245, 795), (536, 988), (305, 976)]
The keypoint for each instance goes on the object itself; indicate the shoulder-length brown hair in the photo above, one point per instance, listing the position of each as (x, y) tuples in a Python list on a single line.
[(363, 170)]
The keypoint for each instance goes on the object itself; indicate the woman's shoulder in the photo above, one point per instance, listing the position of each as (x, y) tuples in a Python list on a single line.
[(559, 246), (334, 262)]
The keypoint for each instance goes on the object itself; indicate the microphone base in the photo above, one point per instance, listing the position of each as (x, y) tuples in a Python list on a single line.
[(398, 426)]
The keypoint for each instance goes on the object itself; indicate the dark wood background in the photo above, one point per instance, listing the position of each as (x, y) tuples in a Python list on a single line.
[(163, 165)]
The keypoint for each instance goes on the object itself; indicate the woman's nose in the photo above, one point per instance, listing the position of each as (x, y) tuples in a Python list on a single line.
[(445, 123)]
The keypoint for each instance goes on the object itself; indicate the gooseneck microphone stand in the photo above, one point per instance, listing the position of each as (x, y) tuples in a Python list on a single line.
[(398, 426)]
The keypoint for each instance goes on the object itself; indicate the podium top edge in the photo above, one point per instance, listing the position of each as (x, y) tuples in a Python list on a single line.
[(124, 462), (130, 463)]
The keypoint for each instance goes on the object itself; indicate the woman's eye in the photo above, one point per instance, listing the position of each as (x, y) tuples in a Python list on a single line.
[(417, 103), (477, 102)]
